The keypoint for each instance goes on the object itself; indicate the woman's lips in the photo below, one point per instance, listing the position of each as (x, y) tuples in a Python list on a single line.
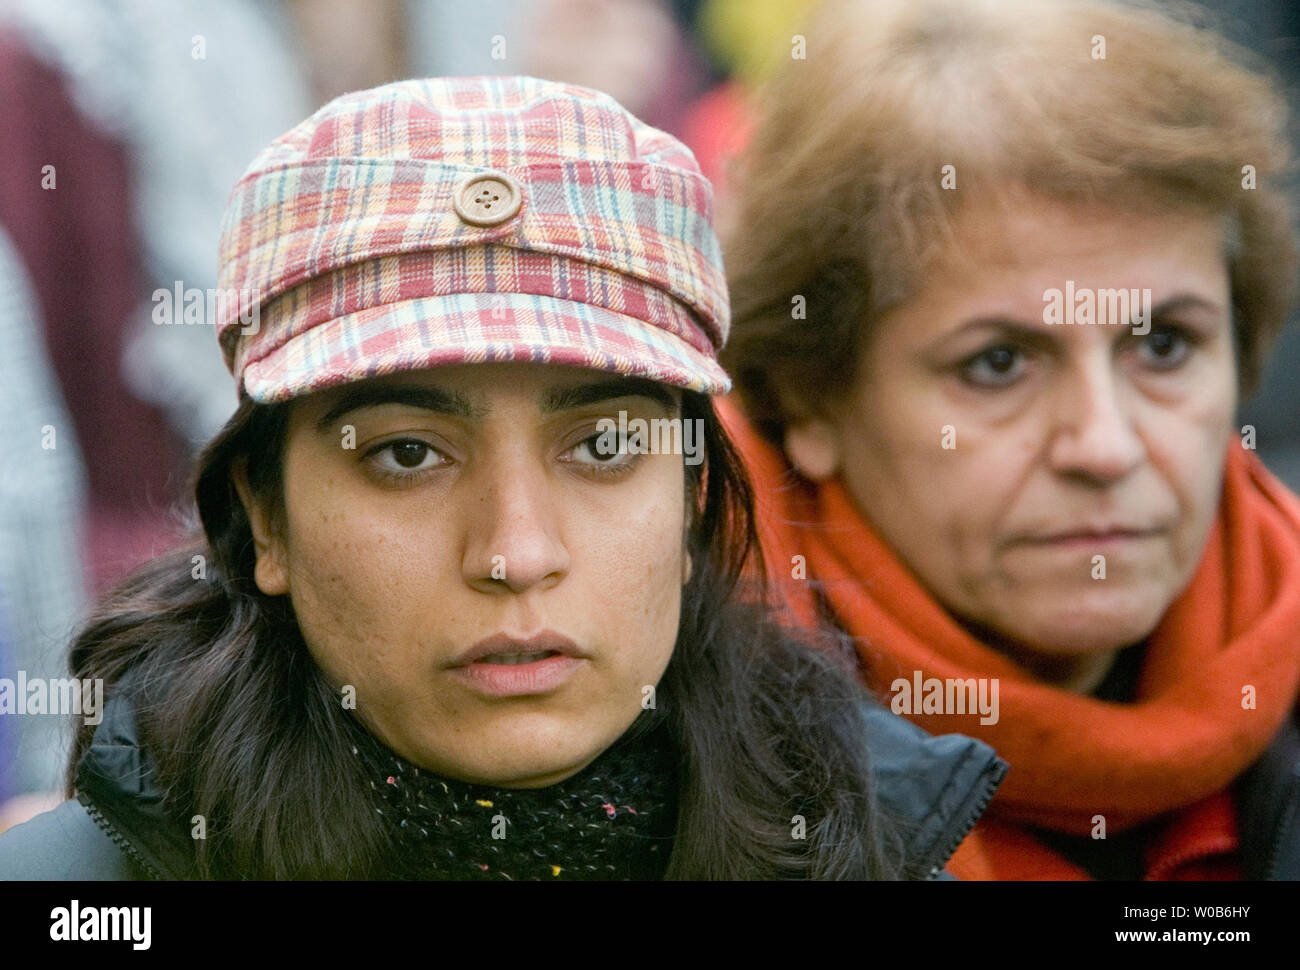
[(507, 666), (547, 641), (518, 679), (1099, 540)]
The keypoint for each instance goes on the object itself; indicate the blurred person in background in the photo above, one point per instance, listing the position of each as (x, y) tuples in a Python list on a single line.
[(42, 589), (978, 461), (745, 41), (126, 123)]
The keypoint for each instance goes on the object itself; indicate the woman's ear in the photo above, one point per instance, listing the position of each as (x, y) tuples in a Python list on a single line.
[(813, 447), (271, 573)]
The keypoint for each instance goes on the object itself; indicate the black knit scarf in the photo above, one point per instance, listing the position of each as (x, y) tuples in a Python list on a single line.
[(613, 820)]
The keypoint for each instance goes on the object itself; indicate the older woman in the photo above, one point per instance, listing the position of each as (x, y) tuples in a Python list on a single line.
[(999, 276), (464, 603)]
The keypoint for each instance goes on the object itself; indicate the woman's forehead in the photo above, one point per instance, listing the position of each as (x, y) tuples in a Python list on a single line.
[(1025, 227)]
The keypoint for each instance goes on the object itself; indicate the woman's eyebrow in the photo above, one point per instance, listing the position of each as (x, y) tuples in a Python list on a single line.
[(1031, 333), (455, 404), (1043, 335), (567, 398), (1186, 301), (435, 399)]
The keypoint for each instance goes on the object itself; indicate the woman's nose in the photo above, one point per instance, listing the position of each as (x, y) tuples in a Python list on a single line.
[(513, 540), (1094, 434)]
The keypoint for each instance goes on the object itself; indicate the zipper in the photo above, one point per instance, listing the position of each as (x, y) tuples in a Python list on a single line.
[(992, 778), (120, 840)]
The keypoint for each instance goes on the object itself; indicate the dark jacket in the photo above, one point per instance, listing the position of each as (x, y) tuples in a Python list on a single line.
[(116, 827), (1268, 809)]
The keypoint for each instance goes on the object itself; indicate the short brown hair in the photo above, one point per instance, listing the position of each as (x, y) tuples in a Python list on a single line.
[(840, 198)]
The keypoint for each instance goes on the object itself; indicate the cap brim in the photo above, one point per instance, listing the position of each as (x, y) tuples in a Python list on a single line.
[(479, 328)]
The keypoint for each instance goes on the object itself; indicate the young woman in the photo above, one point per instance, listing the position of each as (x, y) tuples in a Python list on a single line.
[(467, 602), (1039, 247)]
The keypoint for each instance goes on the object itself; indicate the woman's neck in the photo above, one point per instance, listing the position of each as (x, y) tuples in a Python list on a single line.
[(1075, 673)]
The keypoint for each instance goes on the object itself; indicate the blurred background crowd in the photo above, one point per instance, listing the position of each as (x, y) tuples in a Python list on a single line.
[(127, 122)]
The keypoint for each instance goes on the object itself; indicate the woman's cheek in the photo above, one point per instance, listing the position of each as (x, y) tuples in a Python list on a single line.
[(636, 585), (959, 479), (1196, 480), (634, 578), (347, 584)]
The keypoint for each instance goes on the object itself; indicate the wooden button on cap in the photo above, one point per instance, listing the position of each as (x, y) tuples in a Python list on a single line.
[(488, 199)]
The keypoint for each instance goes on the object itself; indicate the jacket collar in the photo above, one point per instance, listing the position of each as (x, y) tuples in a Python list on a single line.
[(934, 786), (116, 782)]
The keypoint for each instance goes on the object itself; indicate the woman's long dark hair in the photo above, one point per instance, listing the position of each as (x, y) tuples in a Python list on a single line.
[(228, 699)]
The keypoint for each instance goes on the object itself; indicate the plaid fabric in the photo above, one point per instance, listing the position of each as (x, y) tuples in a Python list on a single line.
[(343, 233)]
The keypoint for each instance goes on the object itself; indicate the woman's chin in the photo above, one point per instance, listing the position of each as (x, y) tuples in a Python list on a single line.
[(508, 768), (1069, 622), (522, 753), (1080, 624)]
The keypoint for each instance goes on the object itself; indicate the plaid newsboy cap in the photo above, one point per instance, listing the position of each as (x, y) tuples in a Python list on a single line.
[(463, 220)]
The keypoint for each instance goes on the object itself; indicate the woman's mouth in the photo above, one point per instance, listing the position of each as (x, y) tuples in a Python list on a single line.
[(513, 659), (519, 674), (1099, 539), (505, 666)]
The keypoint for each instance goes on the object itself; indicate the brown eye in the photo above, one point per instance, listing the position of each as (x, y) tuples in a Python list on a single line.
[(404, 456), (993, 367), (409, 454), (603, 448), (605, 455), (1001, 359), (1164, 348)]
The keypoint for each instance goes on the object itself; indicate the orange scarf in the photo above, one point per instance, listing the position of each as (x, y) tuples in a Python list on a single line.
[(1173, 751)]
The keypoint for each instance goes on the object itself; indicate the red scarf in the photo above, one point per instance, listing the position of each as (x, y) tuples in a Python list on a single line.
[(1172, 752)]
